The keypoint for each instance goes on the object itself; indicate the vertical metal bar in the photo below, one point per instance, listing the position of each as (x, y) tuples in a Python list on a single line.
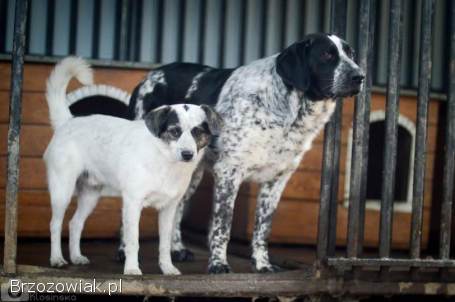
[(3, 24), (449, 157), (159, 31), (221, 31), (12, 185), (331, 157), (360, 133), (181, 29), (301, 25), (263, 29), (421, 127), (136, 55), (391, 130), (201, 30), (28, 28), (242, 32), (50, 26), (96, 28), (283, 25), (73, 26), (122, 32)]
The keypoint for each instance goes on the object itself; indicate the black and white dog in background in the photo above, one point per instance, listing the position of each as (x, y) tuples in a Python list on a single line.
[(272, 108)]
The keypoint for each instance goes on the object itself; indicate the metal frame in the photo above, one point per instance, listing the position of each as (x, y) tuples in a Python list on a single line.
[(331, 275)]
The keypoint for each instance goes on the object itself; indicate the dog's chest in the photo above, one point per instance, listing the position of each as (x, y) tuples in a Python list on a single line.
[(272, 148)]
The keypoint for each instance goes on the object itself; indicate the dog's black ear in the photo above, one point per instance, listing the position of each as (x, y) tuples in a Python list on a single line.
[(156, 120), (293, 67), (214, 120)]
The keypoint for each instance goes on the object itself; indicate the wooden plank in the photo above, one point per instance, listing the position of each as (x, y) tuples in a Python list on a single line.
[(35, 76), (34, 108), (33, 142), (104, 222)]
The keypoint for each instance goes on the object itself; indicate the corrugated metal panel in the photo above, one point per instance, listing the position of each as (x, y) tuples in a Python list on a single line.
[(219, 32)]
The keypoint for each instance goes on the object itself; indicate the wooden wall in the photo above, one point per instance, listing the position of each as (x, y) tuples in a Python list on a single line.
[(296, 218)]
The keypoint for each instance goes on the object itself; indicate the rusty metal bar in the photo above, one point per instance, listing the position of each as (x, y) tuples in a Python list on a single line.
[(360, 133), (331, 161), (391, 130), (12, 185), (389, 262), (449, 158), (421, 127)]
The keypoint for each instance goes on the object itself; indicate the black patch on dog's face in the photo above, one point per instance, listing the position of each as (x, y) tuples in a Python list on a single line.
[(164, 123), (201, 135), (310, 66)]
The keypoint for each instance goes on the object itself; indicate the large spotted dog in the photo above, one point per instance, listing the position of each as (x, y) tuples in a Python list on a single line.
[(273, 108)]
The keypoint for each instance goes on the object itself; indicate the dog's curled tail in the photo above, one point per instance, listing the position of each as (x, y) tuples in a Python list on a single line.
[(57, 83)]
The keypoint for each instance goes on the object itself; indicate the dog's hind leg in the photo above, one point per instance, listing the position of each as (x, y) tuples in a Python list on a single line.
[(268, 198), (179, 252), (61, 187), (87, 200)]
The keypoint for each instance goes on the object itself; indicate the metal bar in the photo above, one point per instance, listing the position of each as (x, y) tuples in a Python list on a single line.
[(331, 156), (73, 26), (301, 25), (28, 28), (389, 262), (421, 127), (263, 29), (96, 28), (181, 29), (12, 185), (449, 157), (201, 30), (137, 30), (391, 128), (283, 25), (221, 31), (50, 26), (366, 123), (3, 24), (242, 32), (360, 134), (122, 30)]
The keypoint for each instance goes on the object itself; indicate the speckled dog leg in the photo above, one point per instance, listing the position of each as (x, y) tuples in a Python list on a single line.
[(226, 188), (179, 252), (268, 198)]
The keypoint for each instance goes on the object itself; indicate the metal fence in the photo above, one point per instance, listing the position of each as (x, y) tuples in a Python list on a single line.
[(329, 184), (327, 259), (222, 33)]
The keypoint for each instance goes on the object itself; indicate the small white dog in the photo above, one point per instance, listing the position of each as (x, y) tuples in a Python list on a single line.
[(150, 162)]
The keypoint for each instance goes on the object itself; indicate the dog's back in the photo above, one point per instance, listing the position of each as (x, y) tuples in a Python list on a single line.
[(177, 83)]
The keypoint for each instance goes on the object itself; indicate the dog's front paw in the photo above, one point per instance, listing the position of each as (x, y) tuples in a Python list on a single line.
[(170, 270), (183, 255), (219, 269), (268, 269), (132, 271), (58, 262), (80, 260)]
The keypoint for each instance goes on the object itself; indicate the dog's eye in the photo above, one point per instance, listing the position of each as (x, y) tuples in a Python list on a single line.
[(175, 131), (198, 131), (326, 56)]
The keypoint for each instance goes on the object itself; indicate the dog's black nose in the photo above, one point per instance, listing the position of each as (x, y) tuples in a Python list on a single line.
[(187, 155), (357, 78)]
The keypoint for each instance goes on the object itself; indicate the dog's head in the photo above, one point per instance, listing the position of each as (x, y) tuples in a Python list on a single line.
[(322, 66), (186, 129)]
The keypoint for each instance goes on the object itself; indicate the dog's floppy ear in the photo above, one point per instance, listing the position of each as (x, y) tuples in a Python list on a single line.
[(156, 120), (214, 120), (293, 67)]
